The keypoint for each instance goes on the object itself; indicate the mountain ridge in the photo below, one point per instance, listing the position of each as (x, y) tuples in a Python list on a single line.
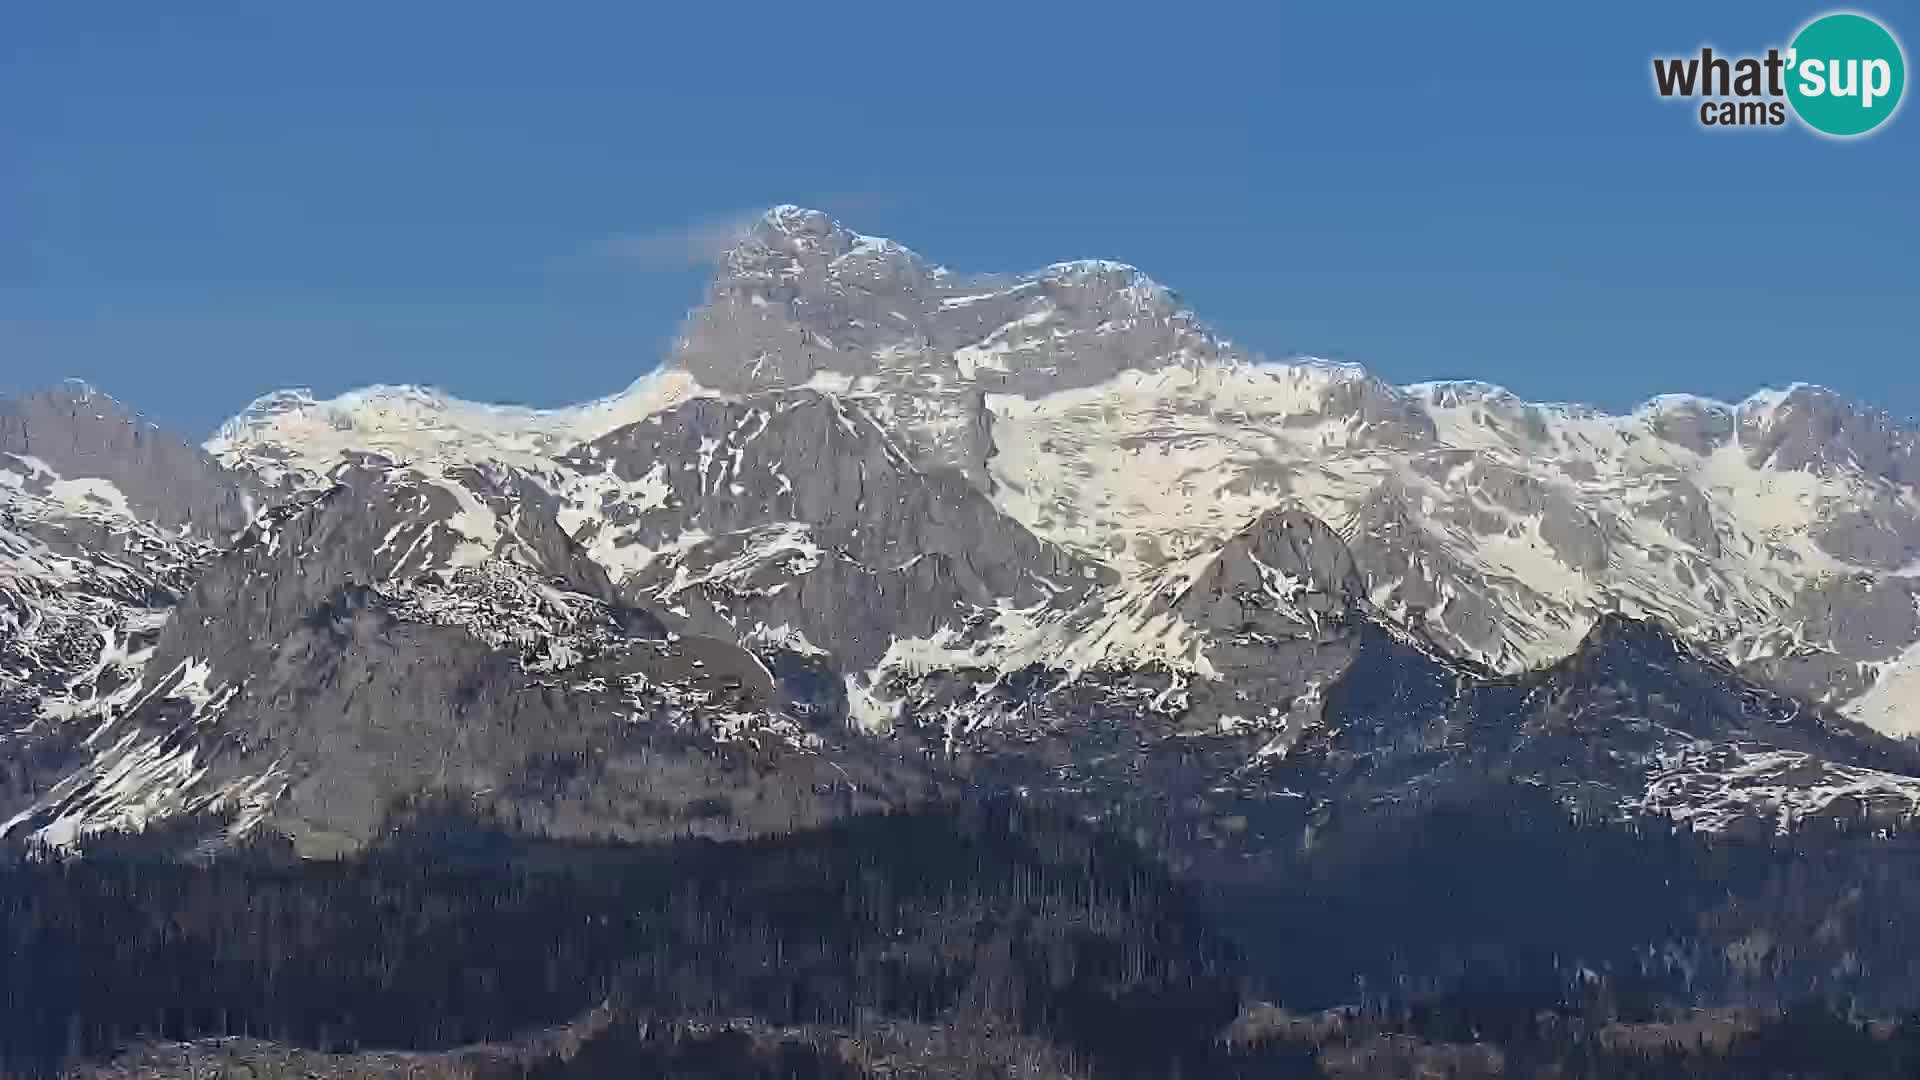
[(879, 528)]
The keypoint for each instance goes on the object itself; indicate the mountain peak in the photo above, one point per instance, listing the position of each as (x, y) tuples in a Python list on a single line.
[(1812, 428), (789, 233), (790, 220), (1290, 541), (802, 296), (1284, 572), (79, 388), (82, 435), (1106, 270), (74, 392)]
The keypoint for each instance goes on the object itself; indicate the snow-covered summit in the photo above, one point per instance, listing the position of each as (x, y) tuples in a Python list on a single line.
[(290, 436), (1098, 410)]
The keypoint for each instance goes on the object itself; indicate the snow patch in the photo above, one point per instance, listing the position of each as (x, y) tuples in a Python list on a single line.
[(866, 710), (1892, 705)]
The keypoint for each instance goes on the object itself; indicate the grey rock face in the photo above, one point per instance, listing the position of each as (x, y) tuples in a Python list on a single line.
[(375, 529), (287, 687), (1860, 615), (104, 523), (1637, 719), (1700, 426), (1276, 608), (1579, 539), (1813, 428), (1683, 510), (1678, 733), (803, 297), (799, 509), (802, 294), (1082, 323), (1388, 417), (81, 601), (1835, 631), (1285, 564), (1492, 407), (1576, 536), (1310, 704), (1410, 572), (1883, 533), (82, 434), (1272, 622)]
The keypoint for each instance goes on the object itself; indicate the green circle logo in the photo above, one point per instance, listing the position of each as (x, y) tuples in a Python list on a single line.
[(1845, 74)]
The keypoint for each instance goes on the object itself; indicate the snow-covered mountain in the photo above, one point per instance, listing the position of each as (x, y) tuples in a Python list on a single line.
[(877, 527), (1781, 532)]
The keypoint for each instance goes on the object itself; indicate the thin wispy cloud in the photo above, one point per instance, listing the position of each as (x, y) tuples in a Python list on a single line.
[(692, 245)]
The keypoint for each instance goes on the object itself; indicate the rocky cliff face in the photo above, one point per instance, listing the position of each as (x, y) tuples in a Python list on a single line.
[(799, 509), (105, 454), (398, 633), (105, 522)]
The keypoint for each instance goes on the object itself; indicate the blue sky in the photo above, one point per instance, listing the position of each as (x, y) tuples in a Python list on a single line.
[(200, 206)]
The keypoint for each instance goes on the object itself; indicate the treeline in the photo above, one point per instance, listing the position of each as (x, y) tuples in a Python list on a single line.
[(629, 1050), (1501, 882), (457, 931), (993, 910), (1809, 1041), (663, 1052), (1489, 1030)]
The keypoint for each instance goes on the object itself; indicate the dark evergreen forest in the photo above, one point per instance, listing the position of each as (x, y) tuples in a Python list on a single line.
[(1056, 928), (1496, 919)]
